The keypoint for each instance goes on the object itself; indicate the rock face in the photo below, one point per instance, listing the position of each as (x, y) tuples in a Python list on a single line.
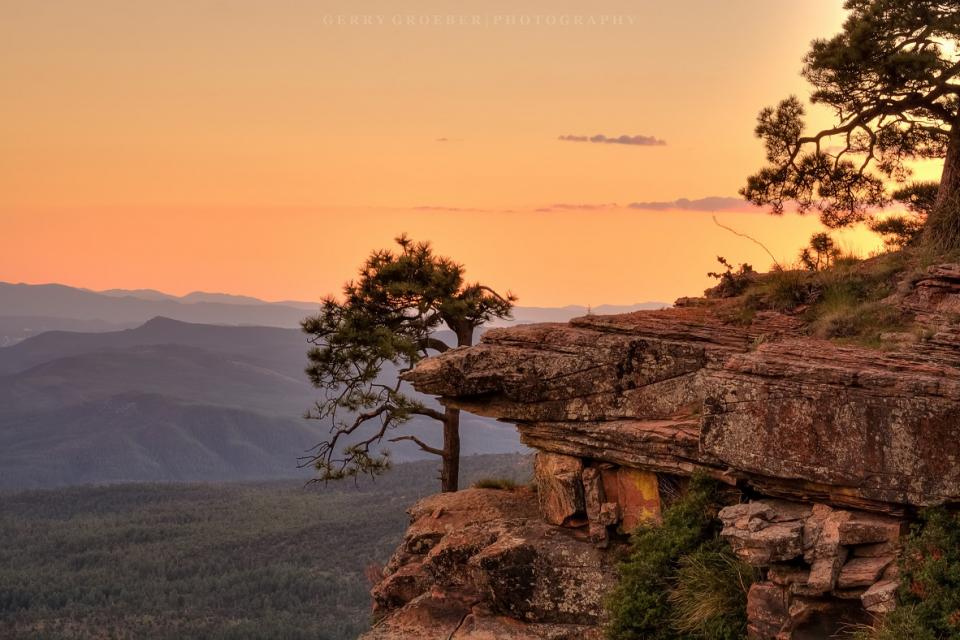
[(482, 563), (831, 446), (825, 568), (677, 390)]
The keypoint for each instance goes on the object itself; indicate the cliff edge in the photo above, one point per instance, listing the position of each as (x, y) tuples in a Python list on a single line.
[(829, 448)]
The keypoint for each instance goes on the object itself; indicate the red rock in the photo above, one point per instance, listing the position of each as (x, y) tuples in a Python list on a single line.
[(766, 611), (493, 558), (823, 574), (683, 389), (594, 499), (881, 597), (862, 572), (638, 498), (559, 487), (763, 407), (764, 531), (869, 528)]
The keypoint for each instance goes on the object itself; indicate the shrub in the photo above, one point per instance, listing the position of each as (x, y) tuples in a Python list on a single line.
[(929, 597), (781, 290), (503, 484), (733, 282), (640, 607), (820, 254)]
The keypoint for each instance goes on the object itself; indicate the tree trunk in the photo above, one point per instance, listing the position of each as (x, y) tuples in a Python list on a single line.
[(450, 471), (943, 224), (464, 335)]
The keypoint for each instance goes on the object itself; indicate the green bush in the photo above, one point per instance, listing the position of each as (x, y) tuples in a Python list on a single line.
[(640, 607), (929, 597), (732, 282), (781, 290)]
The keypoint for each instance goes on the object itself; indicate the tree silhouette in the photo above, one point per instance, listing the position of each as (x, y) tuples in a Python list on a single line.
[(388, 318), (890, 78)]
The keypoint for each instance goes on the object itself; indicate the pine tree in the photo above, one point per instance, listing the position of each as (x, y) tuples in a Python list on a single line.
[(890, 78), (388, 319)]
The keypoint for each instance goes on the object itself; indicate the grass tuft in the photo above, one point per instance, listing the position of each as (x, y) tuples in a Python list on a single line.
[(709, 598), (503, 484)]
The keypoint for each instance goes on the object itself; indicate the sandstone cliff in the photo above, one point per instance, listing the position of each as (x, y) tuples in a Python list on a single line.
[(831, 448)]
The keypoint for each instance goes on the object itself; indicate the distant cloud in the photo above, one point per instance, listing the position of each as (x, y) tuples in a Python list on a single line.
[(444, 209), (640, 141), (703, 204), (576, 207), (449, 140), (711, 204)]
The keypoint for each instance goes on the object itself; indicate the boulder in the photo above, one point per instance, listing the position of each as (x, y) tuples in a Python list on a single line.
[(559, 487), (863, 572), (492, 566), (881, 597), (764, 531)]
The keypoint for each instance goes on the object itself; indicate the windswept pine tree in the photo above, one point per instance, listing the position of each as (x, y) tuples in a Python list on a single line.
[(891, 79), (389, 317)]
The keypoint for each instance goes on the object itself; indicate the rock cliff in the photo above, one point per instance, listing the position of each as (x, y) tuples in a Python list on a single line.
[(831, 448)]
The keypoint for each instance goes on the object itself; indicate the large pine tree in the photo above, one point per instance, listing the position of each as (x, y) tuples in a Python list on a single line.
[(891, 79)]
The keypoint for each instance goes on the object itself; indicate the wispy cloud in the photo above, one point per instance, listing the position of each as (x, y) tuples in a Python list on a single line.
[(445, 209), (639, 141), (714, 203), (576, 207), (711, 204)]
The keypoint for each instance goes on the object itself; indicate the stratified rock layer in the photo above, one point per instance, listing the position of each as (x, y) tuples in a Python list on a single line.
[(677, 390), (833, 447)]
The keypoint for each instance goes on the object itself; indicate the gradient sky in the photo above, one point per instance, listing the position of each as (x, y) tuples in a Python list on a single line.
[(259, 147)]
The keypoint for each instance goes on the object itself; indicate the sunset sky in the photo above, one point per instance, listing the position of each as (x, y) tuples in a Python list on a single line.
[(264, 147)]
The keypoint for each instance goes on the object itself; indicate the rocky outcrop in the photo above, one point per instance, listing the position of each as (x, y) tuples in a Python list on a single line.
[(482, 563), (830, 447), (824, 568), (677, 390)]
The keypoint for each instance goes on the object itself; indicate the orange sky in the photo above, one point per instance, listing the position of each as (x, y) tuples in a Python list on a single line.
[(260, 148)]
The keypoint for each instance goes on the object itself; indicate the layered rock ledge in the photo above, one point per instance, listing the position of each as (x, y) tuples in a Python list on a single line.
[(679, 389), (828, 449)]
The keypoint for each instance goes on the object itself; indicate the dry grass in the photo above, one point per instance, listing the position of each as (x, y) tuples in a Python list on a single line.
[(845, 302), (502, 484), (709, 596)]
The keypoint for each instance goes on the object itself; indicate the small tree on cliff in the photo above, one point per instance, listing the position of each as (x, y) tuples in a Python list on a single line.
[(387, 322), (891, 80)]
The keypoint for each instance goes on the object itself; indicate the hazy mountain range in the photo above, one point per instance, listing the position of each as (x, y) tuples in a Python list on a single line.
[(28, 309), (119, 386)]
